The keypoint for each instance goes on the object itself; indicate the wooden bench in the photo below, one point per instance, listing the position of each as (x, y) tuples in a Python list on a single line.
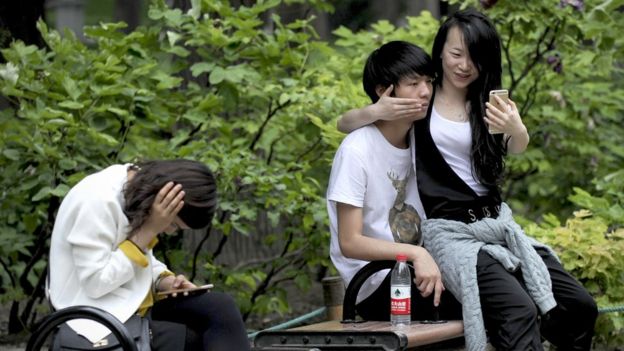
[(352, 334)]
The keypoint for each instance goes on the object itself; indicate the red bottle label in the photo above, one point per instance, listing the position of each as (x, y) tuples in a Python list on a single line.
[(400, 300)]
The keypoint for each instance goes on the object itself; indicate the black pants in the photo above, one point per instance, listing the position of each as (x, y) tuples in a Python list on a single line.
[(513, 321), (376, 307), (209, 321)]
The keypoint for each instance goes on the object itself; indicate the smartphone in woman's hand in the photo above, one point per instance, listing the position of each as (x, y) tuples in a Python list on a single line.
[(504, 95), (184, 292)]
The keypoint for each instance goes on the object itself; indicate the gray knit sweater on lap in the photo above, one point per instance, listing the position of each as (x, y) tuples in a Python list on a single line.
[(454, 246)]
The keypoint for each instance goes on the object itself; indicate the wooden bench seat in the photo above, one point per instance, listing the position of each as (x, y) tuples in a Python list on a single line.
[(334, 335), (417, 334), (350, 334)]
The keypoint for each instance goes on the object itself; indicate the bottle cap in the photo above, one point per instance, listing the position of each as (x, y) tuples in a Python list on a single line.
[(401, 257)]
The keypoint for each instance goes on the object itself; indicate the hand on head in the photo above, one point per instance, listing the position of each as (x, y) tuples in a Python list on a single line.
[(507, 121), (165, 208), (167, 203), (391, 108)]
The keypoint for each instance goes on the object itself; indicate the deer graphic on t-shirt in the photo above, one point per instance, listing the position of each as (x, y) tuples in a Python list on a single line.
[(403, 218)]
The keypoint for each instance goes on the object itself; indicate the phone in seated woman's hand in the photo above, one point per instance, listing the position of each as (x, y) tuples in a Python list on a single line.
[(184, 292)]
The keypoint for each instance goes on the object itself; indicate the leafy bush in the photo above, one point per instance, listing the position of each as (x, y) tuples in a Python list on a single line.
[(590, 245), (257, 100), (211, 84)]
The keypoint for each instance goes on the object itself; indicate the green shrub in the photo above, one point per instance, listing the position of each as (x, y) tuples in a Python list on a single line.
[(211, 84), (258, 101), (595, 256)]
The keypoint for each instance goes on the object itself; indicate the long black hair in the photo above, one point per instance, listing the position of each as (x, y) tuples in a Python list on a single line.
[(198, 183), (483, 43)]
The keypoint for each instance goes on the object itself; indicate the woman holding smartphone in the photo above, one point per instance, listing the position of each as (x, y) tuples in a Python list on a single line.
[(459, 169), (101, 254)]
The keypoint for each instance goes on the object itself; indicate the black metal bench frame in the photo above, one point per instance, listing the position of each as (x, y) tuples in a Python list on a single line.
[(51, 323)]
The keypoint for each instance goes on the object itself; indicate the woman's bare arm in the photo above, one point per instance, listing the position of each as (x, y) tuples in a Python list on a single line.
[(386, 108)]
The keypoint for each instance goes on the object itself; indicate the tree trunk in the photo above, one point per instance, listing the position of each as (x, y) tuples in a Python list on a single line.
[(69, 14), (18, 20), (414, 8), (128, 11), (383, 9), (183, 5)]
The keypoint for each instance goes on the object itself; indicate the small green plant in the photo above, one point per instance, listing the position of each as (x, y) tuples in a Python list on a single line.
[(595, 256), (257, 100), (591, 247)]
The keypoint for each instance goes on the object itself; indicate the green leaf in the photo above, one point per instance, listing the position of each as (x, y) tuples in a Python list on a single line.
[(60, 190), (196, 9), (178, 50), (67, 164), (71, 88), (9, 72), (217, 75), (118, 111), (72, 105), (201, 67), (166, 81), (173, 37), (42, 193), (284, 98), (11, 154), (174, 17)]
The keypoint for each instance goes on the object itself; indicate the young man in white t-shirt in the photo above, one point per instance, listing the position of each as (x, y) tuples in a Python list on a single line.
[(372, 196)]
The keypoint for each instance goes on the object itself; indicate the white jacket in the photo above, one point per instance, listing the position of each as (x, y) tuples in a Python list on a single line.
[(86, 265)]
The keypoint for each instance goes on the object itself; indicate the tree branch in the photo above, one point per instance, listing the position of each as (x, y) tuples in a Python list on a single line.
[(538, 53), (43, 233), (11, 276), (270, 113), (36, 294), (192, 133), (506, 50), (261, 289), (124, 129), (261, 261), (530, 98), (220, 246), (308, 150), (197, 250)]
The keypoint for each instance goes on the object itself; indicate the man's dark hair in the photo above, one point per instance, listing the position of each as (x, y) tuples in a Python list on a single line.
[(198, 184), (392, 61)]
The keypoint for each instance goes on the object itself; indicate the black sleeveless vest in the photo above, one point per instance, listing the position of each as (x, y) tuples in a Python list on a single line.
[(442, 192)]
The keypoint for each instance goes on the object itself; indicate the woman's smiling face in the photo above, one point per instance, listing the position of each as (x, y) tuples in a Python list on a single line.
[(457, 66)]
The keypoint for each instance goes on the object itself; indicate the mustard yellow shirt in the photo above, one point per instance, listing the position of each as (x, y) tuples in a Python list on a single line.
[(136, 255)]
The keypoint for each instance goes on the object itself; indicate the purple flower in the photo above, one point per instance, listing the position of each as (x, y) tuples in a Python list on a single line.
[(577, 4), (558, 68), (488, 3), (554, 61)]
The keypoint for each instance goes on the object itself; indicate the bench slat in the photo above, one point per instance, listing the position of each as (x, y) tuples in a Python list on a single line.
[(418, 334)]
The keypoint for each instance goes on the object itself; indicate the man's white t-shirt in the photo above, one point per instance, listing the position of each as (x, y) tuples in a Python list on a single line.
[(370, 173)]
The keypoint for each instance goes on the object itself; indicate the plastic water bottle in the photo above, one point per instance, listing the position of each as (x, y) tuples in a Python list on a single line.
[(400, 293)]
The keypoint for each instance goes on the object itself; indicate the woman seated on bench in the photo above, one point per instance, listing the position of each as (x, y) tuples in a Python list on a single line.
[(101, 254)]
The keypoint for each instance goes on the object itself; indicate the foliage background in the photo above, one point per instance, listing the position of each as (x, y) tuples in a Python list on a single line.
[(257, 100)]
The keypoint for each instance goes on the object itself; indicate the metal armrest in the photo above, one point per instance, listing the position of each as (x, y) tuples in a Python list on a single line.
[(348, 304), (49, 324)]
